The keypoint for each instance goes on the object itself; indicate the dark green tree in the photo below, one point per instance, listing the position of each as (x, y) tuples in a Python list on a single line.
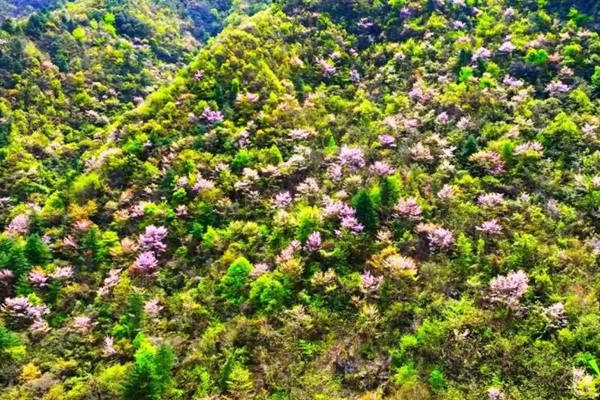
[(365, 211), (36, 24), (467, 147), (168, 183), (8, 26), (92, 246), (390, 191), (36, 251), (130, 321)]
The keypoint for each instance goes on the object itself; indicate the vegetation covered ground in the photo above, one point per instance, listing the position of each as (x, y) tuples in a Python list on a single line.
[(330, 199)]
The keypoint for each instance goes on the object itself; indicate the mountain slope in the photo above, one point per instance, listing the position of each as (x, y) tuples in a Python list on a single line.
[(68, 73), (334, 200)]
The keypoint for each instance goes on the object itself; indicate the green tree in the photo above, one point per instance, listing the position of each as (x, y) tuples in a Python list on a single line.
[(537, 57), (390, 191), (7, 338), (168, 183), (13, 257), (234, 280), (365, 211), (36, 251), (274, 156), (151, 376), (36, 24), (8, 26), (130, 321), (467, 147), (79, 34), (308, 222), (464, 253), (268, 293), (596, 77), (437, 380), (92, 246)]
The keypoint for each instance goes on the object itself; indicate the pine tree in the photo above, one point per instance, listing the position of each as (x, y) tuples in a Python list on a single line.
[(390, 191), (12, 257), (464, 253), (468, 146), (164, 361), (151, 376), (92, 247), (130, 321), (365, 211), (168, 183), (36, 251), (8, 26), (36, 25), (7, 338), (141, 383)]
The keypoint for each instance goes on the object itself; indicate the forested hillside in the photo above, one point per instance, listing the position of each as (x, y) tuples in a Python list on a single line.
[(22, 8), (65, 75), (331, 199)]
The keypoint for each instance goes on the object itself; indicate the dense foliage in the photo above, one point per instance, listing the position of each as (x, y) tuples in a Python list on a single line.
[(22, 8), (334, 199)]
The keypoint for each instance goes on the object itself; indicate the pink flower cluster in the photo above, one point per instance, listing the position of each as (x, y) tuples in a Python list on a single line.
[(420, 152), (82, 324), (491, 200), (38, 278), (491, 227), (382, 168), (202, 184), (259, 269), (352, 157), (152, 238), (282, 200), (387, 140), (326, 68), (287, 253), (20, 307), (152, 308), (509, 289), (556, 88), (490, 160), (145, 265), (39, 327), (62, 273), (109, 282), (212, 116), (528, 148), (6, 275), (370, 283), (109, 347), (408, 208), (19, 225), (439, 237), (314, 241)]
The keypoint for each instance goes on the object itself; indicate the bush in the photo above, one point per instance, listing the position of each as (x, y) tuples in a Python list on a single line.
[(234, 281), (267, 293)]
